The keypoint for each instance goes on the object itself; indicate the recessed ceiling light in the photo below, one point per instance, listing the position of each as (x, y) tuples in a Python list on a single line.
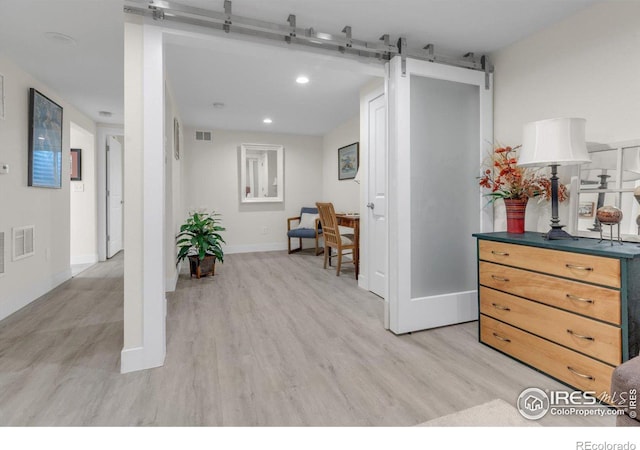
[(59, 38), (267, 120), (302, 79), (218, 105), (105, 113)]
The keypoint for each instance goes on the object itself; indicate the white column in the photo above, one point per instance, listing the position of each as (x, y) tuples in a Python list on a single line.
[(144, 279)]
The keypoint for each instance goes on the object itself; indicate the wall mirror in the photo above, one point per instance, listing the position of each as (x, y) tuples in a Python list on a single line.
[(261, 173), (610, 178)]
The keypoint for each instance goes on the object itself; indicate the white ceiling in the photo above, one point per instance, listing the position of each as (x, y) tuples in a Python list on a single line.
[(258, 81)]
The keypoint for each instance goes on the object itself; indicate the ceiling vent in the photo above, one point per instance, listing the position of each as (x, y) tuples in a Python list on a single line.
[(203, 135), (23, 242), (1, 253)]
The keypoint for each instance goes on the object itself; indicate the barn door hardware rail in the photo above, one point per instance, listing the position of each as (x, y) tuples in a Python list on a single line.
[(290, 33)]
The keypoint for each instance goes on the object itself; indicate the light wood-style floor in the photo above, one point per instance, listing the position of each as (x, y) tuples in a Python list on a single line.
[(272, 339)]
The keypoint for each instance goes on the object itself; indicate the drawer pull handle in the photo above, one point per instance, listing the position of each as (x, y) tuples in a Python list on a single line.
[(500, 338), (575, 372), (494, 252), (500, 307), (497, 278), (580, 299), (573, 266), (581, 336)]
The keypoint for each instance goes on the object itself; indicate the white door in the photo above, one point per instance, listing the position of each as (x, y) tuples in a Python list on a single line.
[(377, 195), (440, 127), (114, 196)]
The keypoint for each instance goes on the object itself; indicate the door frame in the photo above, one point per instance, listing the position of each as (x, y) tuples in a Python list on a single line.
[(399, 184)]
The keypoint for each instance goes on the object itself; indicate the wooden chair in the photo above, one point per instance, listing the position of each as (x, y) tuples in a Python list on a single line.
[(309, 231), (333, 238)]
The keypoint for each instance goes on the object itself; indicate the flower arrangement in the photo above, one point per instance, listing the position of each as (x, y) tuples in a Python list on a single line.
[(506, 180)]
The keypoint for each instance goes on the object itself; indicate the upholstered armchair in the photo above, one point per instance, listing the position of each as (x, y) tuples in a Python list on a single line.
[(304, 226), (626, 381)]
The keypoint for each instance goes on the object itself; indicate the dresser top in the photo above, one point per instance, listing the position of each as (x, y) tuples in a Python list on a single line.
[(581, 245)]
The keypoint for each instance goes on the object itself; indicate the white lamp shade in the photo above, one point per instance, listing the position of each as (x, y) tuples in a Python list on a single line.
[(554, 142)]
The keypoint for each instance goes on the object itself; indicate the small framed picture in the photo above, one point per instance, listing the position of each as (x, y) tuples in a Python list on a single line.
[(585, 209), (348, 161), (76, 164)]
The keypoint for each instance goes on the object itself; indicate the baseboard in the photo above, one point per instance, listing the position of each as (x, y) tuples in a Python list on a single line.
[(32, 292), (363, 282), (252, 248), (135, 359), (171, 281), (84, 259)]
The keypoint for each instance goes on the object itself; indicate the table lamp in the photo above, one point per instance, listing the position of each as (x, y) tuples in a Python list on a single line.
[(554, 142)]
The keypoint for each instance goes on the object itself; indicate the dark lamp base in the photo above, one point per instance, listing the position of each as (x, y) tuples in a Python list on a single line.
[(557, 232)]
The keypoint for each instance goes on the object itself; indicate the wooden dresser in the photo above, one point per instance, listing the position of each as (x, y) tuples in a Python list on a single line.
[(569, 308)]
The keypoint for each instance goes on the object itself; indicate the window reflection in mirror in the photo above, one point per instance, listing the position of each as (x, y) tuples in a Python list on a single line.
[(610, 178), (261, 173)]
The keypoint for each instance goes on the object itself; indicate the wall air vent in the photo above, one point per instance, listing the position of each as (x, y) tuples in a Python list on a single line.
[(203, 135), (1, 253), (23, 242)]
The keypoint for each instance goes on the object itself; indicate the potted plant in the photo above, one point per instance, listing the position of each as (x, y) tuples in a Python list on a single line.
[(200, 241), (515, 185)]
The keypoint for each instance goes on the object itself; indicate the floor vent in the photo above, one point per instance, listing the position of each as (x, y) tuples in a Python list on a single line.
[(203, 135), (1, 253), (23, 242)]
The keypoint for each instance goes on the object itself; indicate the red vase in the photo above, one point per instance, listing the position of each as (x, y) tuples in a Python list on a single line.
[(516, 208)]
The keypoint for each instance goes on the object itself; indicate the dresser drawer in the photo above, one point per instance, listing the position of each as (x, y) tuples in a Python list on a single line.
[(597, 339), (593, 301), (566, 365), (577, 266)]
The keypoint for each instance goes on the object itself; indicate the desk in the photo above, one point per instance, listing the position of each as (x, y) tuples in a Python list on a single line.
[(352, 221)]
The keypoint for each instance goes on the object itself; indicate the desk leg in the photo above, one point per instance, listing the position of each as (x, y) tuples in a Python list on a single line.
[(357, 247)]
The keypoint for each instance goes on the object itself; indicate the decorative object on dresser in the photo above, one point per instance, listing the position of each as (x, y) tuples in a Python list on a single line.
[(308, 227), (610, 216), (568, 308), (200, 241), (515, 185), (554, 142)]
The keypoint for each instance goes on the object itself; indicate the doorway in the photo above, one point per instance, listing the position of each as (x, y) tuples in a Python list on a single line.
[(115, 199), (83, 247)]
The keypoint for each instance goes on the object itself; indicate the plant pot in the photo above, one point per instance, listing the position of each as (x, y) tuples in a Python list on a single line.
[(516, 208), (202, 267)]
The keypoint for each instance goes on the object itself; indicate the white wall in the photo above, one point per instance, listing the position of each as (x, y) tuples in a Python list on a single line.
[(173, 188), (211, 182), (344, 194), (584, 66), (84, 234), (47, 209)]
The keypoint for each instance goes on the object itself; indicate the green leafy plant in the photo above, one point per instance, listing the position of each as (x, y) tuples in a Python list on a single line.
[(200, 236)]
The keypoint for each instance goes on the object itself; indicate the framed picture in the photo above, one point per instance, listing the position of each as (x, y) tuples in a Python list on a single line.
[(45, 141), (585, 209), (76, 164), (1, 96), (176, 138), (348, 161)]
